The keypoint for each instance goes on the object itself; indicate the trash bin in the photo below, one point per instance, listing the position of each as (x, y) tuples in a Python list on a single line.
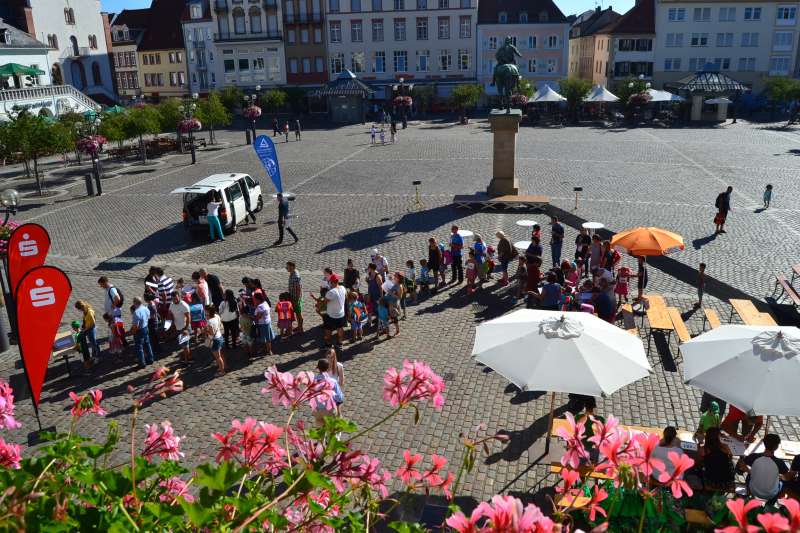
[(89, 185)]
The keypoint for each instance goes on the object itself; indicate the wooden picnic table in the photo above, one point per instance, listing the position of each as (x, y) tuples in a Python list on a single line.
[(787, 451), (660, 320), (749, 314), (795, 272)]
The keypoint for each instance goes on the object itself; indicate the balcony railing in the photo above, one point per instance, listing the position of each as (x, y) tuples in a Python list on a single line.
[(302, 18), (263, 36), (48, 91)]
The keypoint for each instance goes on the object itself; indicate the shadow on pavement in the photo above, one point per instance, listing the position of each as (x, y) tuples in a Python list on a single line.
[(167, 240)]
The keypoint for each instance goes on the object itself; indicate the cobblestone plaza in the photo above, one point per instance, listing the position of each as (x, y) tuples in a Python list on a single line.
[(353, 197)]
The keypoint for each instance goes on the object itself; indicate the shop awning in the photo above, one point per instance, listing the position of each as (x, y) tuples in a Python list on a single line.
[(15, 69)]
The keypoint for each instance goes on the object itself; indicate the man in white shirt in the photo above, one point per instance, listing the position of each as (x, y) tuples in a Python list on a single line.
[(182, 322), (335, 300)]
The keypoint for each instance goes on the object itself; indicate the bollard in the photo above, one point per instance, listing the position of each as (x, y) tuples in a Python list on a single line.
[(89, 185)]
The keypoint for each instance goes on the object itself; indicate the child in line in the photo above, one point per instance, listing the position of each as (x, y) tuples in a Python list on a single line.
[(198, 314), (472, 271), (357, 314), (81, 346), (489, 264), (285, 311), (383, 318), (372, 132), (383, 137), (117, 342), (767, 196), (410, 281), (621, 288), (424, 281), (701, 284), (522, 277)]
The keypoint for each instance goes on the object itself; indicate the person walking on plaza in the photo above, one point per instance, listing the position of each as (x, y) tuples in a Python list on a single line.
[(283, 219), (372, 132), (275, 128), (212, 207), (89, 328), (434, 261), (297, 130), (112, 306), (723, 205), (701, 284), (139, 328), (767, 196), (456, 246), (296, 294), (556, 240), (286, 130)]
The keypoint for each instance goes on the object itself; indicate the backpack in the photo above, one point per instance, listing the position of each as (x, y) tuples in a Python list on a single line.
[(718, 201), (615, 257), (119, 293)]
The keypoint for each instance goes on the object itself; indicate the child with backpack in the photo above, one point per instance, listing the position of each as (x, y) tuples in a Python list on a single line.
[(285, 311), (357, 314), (424, 280), (383, 318)]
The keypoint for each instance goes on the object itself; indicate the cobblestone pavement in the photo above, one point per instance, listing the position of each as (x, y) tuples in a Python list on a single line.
[(353, 197)]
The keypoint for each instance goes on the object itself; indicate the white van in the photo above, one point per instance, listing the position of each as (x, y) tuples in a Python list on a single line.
[(238, 191)]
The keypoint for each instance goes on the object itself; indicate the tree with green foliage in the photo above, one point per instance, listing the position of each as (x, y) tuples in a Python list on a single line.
[(423, 96), (212, 112), (295, 97), (62, 138), (524, 88), (273, 99), (783, 90), (465, 96), (231, 98), (169, 114), (113, 127), (141, 121), (628, 87), (30, 136), (574, 90)]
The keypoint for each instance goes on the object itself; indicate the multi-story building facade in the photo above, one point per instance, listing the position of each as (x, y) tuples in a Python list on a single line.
[(538, 29), (161, 53), (248, 38), (626, 47), (306, 56), (198, 34), (16, 46), (424, 41), (583, 45), (747, 40), (127, 32), (75, 34)]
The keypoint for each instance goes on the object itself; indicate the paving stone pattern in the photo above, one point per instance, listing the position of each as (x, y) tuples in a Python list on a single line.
[(353, 197)]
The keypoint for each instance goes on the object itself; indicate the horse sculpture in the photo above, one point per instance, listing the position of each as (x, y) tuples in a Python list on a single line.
[(506, 74)]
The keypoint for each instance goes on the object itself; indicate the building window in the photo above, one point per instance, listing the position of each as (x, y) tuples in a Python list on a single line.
[(699, 39), (444, 27), (399, 5), (702, 14), (465, 27), (752, 13), (292, 65), (357, 60), (422, 29), (722, 63), (244, 64), (445, 60), (502, 17), (747, 64), (336, 31), (423, 61), (379, 62), (531, 42), (317, 35), (400, 61), (303, 35), (69, 15), (333, 7), (463, 59), (93, 42), (727, 14), (319, 64), (355, 6), (291, 36), (532, 66), (173, 79), (422, 4), (377, 30), (724, 40), (145, 60), (672, 63), (779, 66), (626, 45), (750, 39), (523, 17), (195, 11), (492, 43), (377, 5), (783, 41), (697, 63), (465, 4), (238, 20), (255, 20), (676, 14), (356, 31), (307, 65), (552, 65), (674, 40), (230, 65), (171, 57), (552, 42), (337, 63), (444, 4), (786, 16), (399, 29)]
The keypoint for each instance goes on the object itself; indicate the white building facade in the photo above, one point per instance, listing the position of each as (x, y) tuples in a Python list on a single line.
[(248, 44), (421, 41), (748, 40), (198, 34)]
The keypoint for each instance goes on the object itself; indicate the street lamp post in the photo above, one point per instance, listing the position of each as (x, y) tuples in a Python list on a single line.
[(250, 113), (88, 130), (188, 109), (9, 199)]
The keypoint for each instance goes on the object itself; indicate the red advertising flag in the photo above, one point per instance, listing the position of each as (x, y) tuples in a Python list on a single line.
[(42, 296), (27, 249)]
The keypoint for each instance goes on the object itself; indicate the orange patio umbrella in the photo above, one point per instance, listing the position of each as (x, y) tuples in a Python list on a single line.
[(647, 241)]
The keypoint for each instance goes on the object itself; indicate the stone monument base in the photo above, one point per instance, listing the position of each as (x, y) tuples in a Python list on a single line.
[(505, 126)]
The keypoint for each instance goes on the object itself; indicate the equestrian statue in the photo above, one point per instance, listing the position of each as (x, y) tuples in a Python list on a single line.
[(506, 74)]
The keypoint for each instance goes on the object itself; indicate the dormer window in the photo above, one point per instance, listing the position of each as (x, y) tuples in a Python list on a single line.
[(5, 36), (195, 11), (523, 17), (543, 17), (502, 17)]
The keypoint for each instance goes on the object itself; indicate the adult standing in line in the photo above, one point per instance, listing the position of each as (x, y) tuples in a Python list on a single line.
[(275, 128), (595, 252), (263, 321), (374, 288), (582, 243), (89, 328), (381, 263), (201, 288), (296, 293), (297, 130), (480, 256), (214, 332), (335, 300), (283, 219), (434, 261), (556, 240), (215, 289), (166, 286), (212, 208), (723, 205), (505, 253), (113, 302), (351, 276), (456, 245), (139, 328), (154, 324), (229, 314), (181, 318)]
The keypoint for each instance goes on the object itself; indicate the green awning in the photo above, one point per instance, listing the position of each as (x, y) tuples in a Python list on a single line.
[(15, 69), (115, 109)]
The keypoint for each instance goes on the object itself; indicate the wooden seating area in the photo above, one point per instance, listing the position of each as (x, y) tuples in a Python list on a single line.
[(710, 316), (785, 289), (555, 468), (749, 314)]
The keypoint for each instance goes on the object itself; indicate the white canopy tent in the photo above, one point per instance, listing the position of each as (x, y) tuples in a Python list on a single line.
[(719, 101), (600, 94), (547, 94), (663, 96)]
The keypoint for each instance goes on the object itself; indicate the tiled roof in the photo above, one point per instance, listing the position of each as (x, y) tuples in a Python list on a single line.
[(164, 26), (640, 19), (712, 82), (594, 22), (132, 18), (19, 39), (488, 11)]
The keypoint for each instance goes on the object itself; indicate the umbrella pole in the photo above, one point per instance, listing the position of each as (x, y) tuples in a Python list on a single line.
[(550, 422)]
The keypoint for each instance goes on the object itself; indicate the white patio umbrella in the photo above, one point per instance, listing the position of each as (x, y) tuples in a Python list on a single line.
[(720, 100), (663, 96), (755, 368), (560, 352), (546, 94), (600, 94)]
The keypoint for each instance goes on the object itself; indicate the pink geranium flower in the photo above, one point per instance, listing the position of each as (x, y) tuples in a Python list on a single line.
[(10, 454), (647, 463), (505, 514), (292, 391), (682, 463), (739, 510), (598, 495), (413, 383), (162, 384), (570, 477), (87, 403), (7, 419), (461, 524), (773, 522), (573, 434), (175, 488), (253, 444), (793, 506), (602, 432), (163, 443), (408, 473)]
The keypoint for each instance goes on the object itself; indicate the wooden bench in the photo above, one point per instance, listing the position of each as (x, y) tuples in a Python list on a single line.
[(679, 324), (711, 316), (556, 468), (698, 517), (787, 290), (572, 502), (795, 273)]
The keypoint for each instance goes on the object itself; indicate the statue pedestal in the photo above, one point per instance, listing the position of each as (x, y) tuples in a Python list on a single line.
[(504, 127)]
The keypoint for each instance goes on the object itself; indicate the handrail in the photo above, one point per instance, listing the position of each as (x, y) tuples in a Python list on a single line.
[(47, 91)]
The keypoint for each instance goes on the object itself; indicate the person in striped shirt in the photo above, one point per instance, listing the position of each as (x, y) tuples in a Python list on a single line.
[(166, 286)]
